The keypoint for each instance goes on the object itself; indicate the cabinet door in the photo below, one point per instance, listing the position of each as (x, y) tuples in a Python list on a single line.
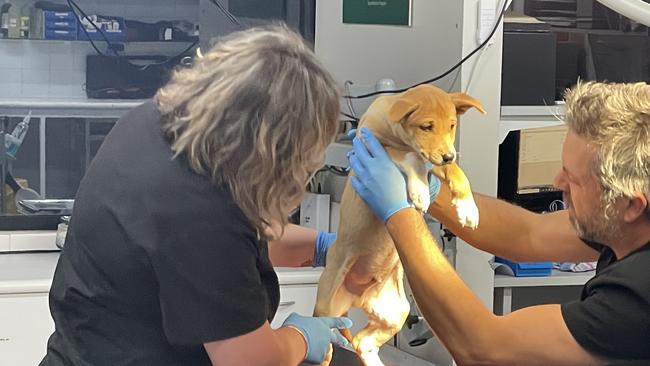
[(300, 299), (25, 326)]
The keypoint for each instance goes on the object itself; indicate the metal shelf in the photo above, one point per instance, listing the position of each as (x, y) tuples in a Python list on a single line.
[(79, 108), (557, 278)]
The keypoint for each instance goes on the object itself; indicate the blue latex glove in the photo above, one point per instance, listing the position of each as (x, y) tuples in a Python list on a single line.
[(434, 186), (318, 334), (378, 180), (323, 242)]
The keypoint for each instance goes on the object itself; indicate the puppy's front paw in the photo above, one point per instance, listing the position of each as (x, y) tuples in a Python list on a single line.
[(419, 195), (467, 211)]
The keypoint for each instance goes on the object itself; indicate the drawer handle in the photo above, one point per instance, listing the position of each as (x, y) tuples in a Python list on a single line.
[(287, 303)]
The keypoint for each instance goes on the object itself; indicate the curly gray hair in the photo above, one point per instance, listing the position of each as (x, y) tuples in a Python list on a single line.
[(615, 118), (255, 114)]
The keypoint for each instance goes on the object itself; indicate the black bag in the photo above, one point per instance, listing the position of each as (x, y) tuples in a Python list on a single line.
[(126, 77)]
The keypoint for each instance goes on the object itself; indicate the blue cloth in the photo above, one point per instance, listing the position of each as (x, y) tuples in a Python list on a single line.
[(323, 242), (318, 333)]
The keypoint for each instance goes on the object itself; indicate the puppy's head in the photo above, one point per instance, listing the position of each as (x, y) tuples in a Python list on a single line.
[(428, 117)]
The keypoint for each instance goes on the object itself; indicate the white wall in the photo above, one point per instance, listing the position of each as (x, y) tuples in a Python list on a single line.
[(442, 32), (57, 69), (479, 146), (366, 53)]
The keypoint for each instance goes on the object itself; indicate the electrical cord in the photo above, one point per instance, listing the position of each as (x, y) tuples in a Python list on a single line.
[(227, 13), (487, 40), (348, 100), (353, 118), (343, 172), (73, 5)]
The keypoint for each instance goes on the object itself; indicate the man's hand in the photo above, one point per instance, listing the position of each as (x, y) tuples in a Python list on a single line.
[(378, 180)]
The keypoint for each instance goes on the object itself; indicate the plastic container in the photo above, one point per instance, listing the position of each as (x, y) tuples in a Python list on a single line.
[(527, 269), (57, 16), (114, 29), (60, 34), (61, 24)]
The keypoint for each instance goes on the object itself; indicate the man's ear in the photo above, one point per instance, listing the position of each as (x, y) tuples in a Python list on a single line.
[(464, 102), (401, 109), (637, 206)]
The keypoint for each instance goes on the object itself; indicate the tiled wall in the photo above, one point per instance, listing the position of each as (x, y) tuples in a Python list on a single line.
[(35, 69)]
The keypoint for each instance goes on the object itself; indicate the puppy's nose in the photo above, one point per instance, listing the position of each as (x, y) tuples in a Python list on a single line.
[(448, 158)]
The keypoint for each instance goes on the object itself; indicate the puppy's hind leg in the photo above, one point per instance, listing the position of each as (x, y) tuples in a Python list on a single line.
[(387, 308)]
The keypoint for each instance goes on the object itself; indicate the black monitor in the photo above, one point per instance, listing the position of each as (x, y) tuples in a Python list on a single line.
[(300, 15), (606, 53)]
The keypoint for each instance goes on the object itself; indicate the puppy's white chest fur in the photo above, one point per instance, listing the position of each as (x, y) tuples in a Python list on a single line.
[(415, 170)]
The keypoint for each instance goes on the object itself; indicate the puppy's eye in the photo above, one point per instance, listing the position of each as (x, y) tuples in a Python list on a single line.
[(427, 128), (453, 126)]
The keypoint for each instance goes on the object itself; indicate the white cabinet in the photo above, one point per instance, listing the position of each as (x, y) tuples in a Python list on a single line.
[(25, 326), (299, 299)]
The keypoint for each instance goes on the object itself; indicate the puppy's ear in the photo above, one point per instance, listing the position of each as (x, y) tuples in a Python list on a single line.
[(464, 102), (401, 109)]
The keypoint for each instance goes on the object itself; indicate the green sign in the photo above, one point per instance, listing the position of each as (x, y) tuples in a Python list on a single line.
[(385, 12)]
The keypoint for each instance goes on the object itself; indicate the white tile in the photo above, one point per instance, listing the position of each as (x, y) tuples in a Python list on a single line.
[(10, 76), (35, 83), (67, 91), (11, 54), (35, 76), (35, 60), (10, 90), (67, 83), (62, 59)]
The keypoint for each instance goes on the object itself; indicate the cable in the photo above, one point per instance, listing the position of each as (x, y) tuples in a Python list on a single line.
[(74, 5), (348, 100), (471, 73), (225, 12), (487, 40), (353, 118), (343, 172)]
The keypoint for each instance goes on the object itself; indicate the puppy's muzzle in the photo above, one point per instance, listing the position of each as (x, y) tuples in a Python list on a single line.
[(448, 158)]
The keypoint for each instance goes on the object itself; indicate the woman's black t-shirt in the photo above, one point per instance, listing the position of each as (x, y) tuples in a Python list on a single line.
[(157, 260)]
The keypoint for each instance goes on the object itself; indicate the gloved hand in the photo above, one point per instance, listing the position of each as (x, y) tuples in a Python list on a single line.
[(378, 180), (318, 333), (323, 242), (434, 187)]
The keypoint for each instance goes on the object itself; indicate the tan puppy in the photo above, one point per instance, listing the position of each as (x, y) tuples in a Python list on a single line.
[(363, 269)]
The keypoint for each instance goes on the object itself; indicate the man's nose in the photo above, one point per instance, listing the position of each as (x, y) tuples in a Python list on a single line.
[(448, 157), (560, 181)]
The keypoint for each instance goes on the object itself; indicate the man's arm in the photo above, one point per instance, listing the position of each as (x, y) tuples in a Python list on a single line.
[(295, 248), (515, 233), (472, 334)]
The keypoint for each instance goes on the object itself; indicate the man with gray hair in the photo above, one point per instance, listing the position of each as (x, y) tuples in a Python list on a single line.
[(605, 180)]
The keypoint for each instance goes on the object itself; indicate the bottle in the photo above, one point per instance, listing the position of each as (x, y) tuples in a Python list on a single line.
[(15, 139), (4, 20)]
